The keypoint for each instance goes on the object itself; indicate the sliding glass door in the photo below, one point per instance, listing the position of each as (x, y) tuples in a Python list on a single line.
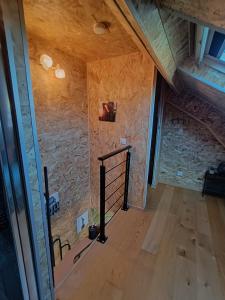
[(10, 279), (17, 273)]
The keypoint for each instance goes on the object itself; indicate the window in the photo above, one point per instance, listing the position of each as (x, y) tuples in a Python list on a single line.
[(217, 46), (223, 56)]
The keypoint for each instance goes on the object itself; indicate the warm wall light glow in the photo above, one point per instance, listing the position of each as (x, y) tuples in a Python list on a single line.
[(46, 61), (59, 73)]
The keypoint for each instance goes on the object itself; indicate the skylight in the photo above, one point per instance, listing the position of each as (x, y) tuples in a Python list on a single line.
[(217, 46), (222, 57)]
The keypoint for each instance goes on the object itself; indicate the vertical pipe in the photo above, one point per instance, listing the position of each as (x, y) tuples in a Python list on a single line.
[(49, 220), (60, 246), (102, 238), (125, 206)]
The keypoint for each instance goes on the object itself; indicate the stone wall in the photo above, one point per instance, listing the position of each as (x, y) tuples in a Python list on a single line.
[(127, 80), (62, 123), (188, 148)]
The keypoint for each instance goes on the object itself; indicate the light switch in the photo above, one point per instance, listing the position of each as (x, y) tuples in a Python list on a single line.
[(123, 141), (82, 221)]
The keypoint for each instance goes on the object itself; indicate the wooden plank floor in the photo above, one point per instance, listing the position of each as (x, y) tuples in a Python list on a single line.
[(173, 250)]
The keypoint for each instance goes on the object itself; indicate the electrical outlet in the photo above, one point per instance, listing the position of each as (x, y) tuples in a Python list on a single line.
[(179, 173), (123, 141), (54, 203), (82, 221)]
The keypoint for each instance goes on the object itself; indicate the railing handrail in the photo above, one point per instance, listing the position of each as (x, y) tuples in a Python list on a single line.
[(48, 215), (113, 153), (103, 199)]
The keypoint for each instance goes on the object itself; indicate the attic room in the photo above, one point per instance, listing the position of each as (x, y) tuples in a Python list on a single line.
[(112, 130)]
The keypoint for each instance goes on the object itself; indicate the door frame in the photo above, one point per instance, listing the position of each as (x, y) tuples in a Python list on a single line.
[(13, 179), (158, 136), (11, 10), (154, 128)]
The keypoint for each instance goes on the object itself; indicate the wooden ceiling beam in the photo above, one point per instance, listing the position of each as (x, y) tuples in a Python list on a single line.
[(210, 13), (148, 32)]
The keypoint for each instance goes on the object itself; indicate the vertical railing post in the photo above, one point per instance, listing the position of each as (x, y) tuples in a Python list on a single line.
[(102, 238), (125, 206), (49, 220)]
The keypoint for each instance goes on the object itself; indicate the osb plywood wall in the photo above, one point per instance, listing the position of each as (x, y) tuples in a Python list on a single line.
[(62, 123), (127, 80), (187, 147)]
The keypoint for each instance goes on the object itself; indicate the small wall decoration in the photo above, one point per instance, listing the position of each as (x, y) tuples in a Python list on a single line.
[(107, 111)]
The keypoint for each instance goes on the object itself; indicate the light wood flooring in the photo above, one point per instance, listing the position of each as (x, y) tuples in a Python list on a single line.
[(175, 249)]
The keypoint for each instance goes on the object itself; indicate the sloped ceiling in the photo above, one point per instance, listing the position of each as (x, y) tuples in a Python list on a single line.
[(204, 81), (200, 79), (201, 89), (164, 35), (176, 30), (209, 12), (68, 25), (173, 38)]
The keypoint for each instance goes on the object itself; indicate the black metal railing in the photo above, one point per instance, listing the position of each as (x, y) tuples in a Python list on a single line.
[(52, 241), (60, 246), (104, 207), (49, 221)]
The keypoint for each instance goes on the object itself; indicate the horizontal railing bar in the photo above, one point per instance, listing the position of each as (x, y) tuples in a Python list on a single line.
[(115, 166), (114, 192), (115, 179), (66, 245), (114, 203), (113, 215), (104, 157)]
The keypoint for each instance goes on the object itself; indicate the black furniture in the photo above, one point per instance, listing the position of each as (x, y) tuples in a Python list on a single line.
[(214, 184)]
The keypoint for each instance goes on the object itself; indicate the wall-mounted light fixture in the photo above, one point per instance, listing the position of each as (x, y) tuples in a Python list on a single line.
[(59, 73), (47, 63)]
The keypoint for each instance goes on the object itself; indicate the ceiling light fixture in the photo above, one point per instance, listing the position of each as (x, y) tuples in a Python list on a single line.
[(100, 28)]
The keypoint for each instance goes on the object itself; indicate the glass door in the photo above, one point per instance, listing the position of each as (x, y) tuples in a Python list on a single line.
[(17, 273), (10, 280)]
